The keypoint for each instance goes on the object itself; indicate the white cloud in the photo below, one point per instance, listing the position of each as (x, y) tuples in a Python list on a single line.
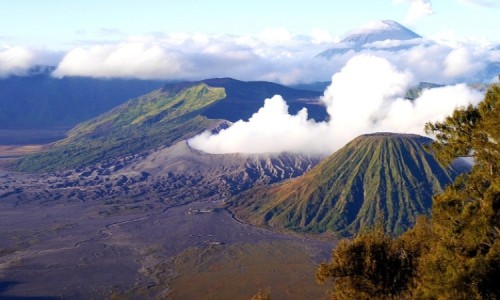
[(120, 61), (271, 129), (183, 56), (15, 60), (199, 56), (365, 96), (18, 61), (460, 62), (434, 62), (417, 10), (484, 3), (320, 36)]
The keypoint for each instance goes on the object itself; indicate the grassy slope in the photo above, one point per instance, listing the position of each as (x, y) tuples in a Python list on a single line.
[(175, 112), (384, 177), (158, 118)]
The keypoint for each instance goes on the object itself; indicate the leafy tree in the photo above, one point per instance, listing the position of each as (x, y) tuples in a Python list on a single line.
[(371, 266), (455, 254), (266, 295), (465, 257)]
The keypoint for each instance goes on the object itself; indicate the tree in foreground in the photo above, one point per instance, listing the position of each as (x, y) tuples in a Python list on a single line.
[(455, 254), (262, 295)]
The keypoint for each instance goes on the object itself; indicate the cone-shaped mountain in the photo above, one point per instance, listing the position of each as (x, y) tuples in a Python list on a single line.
[(376, 177), (360, 39)]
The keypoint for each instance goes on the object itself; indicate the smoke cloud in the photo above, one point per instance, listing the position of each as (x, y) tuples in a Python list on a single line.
[(365, 96), (271, 129)]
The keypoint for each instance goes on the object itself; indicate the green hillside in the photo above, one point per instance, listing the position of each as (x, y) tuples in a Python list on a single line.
[(159, 118), (175, 112), (377, 177)]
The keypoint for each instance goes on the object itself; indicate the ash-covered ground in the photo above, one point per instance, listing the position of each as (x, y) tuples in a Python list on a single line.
[(119, 229)]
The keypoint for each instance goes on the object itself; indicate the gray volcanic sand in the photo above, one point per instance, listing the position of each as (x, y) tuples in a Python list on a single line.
[(70, 250), (122, 228)]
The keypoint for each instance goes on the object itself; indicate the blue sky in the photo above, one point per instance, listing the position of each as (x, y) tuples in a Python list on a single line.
[(270, 40), (62, 24), (274, 40)]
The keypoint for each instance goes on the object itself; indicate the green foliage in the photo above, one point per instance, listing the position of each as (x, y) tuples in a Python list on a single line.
[(266, 295), (371, 266), (454, 255), (378, 176), (159, 118), (465, 256)]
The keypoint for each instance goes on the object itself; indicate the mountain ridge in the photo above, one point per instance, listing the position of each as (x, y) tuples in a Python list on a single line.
[(163, 117), (244, 98)]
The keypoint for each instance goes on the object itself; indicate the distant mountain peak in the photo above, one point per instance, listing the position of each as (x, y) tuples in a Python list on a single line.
[(381, 26), (379, 31)]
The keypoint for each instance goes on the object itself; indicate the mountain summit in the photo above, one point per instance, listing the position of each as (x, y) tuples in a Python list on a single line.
[(382, 176), (386, 34), (379, 31)]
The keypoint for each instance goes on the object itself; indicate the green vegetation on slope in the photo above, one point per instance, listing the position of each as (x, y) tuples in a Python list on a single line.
[(455, 254), (375, 177), (175, 112), (159, 118)]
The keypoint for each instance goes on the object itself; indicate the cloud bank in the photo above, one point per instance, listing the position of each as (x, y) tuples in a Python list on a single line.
[(365, 96), (19, 61), (274, 55)]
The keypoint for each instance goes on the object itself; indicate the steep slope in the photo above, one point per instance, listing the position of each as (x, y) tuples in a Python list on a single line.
[(383, 176), (159, 118), (163, 117), (375, 32), (244, 98), (236, 171)]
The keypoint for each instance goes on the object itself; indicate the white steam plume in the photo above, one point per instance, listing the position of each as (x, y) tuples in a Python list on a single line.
[(271, 129), (365, 96)]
